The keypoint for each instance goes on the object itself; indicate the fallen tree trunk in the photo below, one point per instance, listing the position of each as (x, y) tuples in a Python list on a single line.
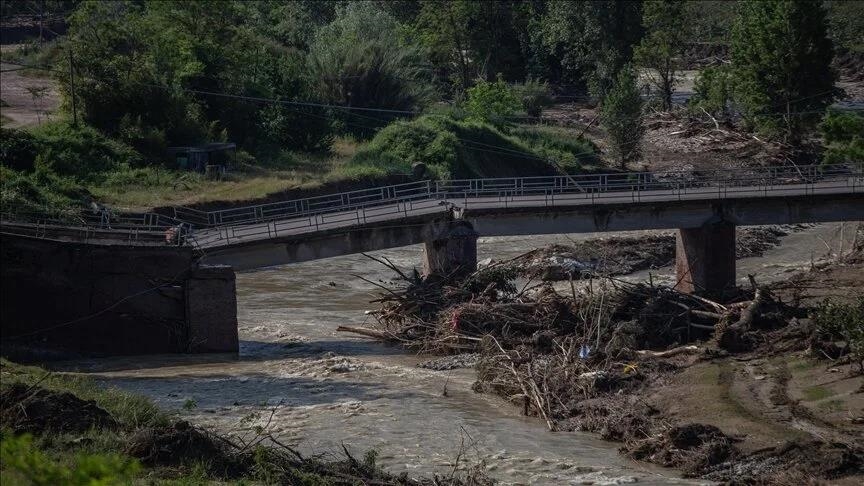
[(364, 331), (669, 352)]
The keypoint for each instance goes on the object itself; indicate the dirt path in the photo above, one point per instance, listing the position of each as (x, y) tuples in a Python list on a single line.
[(26, 100)]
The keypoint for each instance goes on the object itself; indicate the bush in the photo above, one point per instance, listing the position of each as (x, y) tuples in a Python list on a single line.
[(24, 462), (622, 117), (81, 152), (843, 135), (398, 146), (492, 102), (535, 96), (713, 91), (18, 149), (843, 322), (39, 190)]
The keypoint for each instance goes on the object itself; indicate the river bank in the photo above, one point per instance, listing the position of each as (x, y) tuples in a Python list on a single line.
[(64, 429), (332, 387)]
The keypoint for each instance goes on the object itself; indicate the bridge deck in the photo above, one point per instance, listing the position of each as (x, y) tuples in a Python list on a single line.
[(506, 200)]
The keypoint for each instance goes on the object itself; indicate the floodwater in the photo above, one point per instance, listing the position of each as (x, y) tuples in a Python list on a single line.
[(317, 389)]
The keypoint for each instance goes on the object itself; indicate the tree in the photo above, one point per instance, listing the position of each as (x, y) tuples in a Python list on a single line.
[(621, 114), (492, 102), (663, 45), (712, 91), (593, 39), (781, 58), (176, 73), (468, 39), (359, 60), (843, 136)]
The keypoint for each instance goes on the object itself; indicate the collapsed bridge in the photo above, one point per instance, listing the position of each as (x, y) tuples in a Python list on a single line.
[(449, 216), (147, 283)]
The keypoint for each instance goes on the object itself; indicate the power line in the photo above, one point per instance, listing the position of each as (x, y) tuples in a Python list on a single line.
[(309, 104)]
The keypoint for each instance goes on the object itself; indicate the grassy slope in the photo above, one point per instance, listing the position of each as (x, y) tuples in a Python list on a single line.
[(99, 455)]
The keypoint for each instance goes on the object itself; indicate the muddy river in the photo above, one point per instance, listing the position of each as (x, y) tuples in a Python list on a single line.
[(317, 389)]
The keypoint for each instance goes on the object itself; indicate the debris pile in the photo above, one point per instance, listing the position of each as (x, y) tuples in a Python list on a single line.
[(621, 255), (584, 359)]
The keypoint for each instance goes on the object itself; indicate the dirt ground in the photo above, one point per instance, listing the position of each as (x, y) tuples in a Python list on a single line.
[(26, 99)]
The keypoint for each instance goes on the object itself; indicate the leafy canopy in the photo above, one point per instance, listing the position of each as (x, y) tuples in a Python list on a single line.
[(663, 45), (492, 102), (782, 65), (621, 114)]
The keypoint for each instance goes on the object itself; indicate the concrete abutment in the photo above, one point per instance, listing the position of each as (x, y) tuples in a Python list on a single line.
[(68, 299)]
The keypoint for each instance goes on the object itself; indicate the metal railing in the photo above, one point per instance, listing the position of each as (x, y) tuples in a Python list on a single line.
[(203, 228), (89, 226), (551, 185), (387, 203)]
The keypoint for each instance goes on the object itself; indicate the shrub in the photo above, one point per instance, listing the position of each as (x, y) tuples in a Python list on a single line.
[(17, 149), (843, 135), (39, 190), (622, 117), (844, 322), (535, 96), (22, 460), (81, 152), (492, 102), (713, 91)]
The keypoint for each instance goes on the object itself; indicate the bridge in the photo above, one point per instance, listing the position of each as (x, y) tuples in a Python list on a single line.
[(449, 216), (155, 275)]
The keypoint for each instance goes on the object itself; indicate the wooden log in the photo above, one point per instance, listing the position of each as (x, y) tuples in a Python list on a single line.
[(669, 352), (365, 331)]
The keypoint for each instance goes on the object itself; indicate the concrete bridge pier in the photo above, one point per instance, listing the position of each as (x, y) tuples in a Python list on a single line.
[(705, 258), (452, 251)]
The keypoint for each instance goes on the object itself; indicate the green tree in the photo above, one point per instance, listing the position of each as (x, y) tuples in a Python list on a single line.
[(663, 45), (593, 39), (468, 40), (712, 91), (360, 60), (782, 65), (843, 136), (492, 102), (621, 114), (846, 24), (175, 73)]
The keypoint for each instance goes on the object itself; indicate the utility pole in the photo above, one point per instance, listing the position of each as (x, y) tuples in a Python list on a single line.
[(72, 89), (41, 21)]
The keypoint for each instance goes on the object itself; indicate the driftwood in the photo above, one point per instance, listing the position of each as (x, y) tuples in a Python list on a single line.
[(669, 352), (365, 331)]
